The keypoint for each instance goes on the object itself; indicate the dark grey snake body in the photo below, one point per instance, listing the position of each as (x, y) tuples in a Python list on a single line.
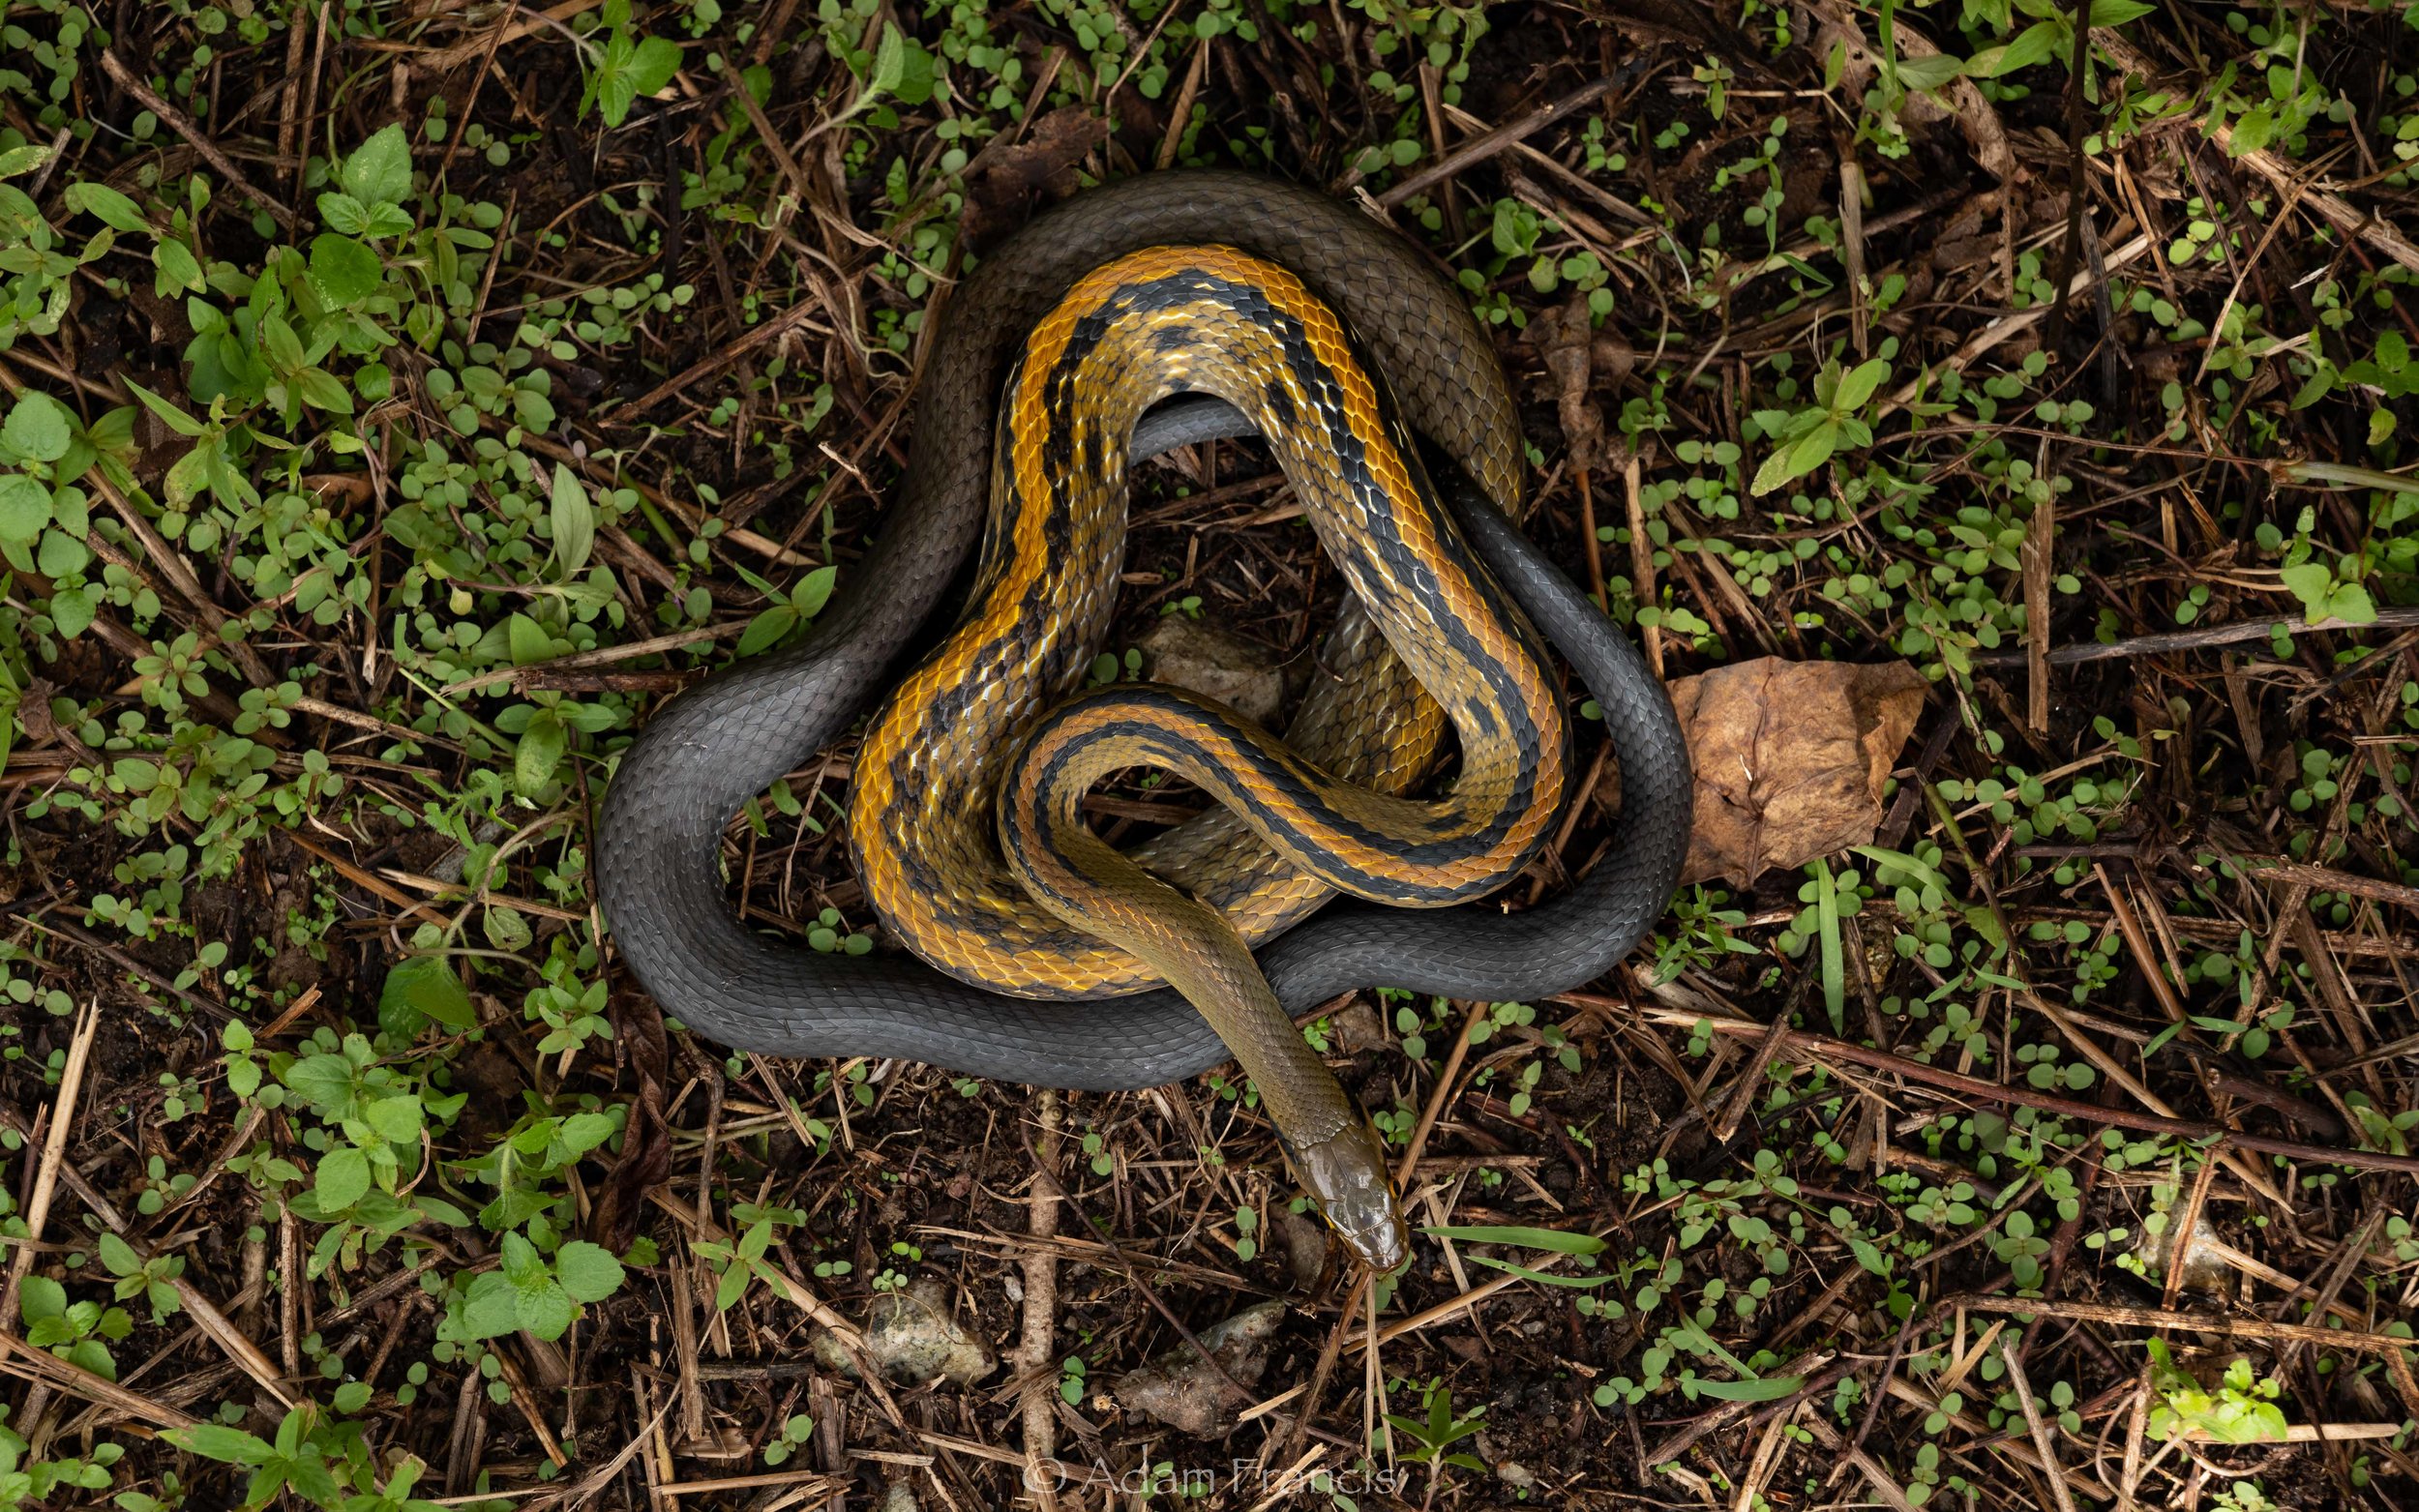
[(724, 742)]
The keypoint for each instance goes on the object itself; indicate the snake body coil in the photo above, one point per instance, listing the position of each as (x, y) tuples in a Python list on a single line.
[(721, 743)]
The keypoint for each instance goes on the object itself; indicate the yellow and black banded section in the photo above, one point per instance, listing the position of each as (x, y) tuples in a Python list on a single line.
[(928, 809)]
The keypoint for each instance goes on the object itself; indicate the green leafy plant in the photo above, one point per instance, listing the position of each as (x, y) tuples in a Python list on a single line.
[(533, 1291), (77, 1332), (796, 1430), (788, 613), (2239, 1410), (32, 1484), (154, 1280), (628, 64), (325, 1460), (740, 1261), (1431, 1436), (1805, 439)]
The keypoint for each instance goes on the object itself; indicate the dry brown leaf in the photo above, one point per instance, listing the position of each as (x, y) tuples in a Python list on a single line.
[(1566, 339), (1790, 758), (1001, 183), (1965, 103), (1188, 1394), (645, 1161)]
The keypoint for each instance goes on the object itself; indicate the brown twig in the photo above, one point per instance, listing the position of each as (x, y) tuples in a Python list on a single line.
[(182, 125), (1329, 1354), (36, 1214), (1487, 144), (2391, 618), (2078, 182), (1826, 1048), (2358, 1341), (1037, 1350)]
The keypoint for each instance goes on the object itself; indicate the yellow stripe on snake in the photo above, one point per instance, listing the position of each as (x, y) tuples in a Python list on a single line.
[(966, 814)]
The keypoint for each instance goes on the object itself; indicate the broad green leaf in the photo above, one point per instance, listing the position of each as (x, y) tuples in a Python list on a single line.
[(506, 929), (93, 1356), (917, 74), (321, 389), (767, 629), (346, 271), (62, 554), (395, 1119), (731, 1288), (813, 591), (344, 213), (652, 64), (2310, 582), (539, 753), (2351, 604), (1772, 1388), (170, 415), (2116, 13), (180, 272), (492, 1306), (582, 1133), (379, 170), (106, 204), (1799, 457), (24, 508), (39, 1298), (1859, 384), (326, 1079), (890, 61), (523, 1265), (281, 346), (1553, 1240), (118, 1255), (38, 429), (217, 1442), (528, 641), (573, 521), (50, 1331), (2035, 45), (343, 1179), (587, 1271), (72, 611), (2254, 130), (546, 1309), (425, 985), (390, 220), (22, 160), (1921, 74), (1579, 1282)]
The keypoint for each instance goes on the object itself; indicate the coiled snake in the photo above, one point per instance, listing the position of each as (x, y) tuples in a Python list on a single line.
[(1323, 331)]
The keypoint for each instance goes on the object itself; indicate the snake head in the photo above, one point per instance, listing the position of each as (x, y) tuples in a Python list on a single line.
[(1346, 1172)]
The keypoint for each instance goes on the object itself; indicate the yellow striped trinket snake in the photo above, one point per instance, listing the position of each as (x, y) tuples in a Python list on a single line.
[(1286, 315)]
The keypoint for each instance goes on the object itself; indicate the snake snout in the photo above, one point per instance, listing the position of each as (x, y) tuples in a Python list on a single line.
[(1346, 1172), (1381, 1244)]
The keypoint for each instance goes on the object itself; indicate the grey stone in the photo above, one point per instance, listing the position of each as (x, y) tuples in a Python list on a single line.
[(1216, 663), (1182, 1390), (911, 1338)]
